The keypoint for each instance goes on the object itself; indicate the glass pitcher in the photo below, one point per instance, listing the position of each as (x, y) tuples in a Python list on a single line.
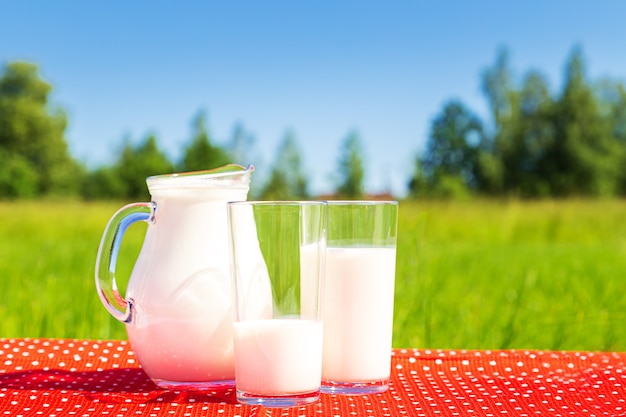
[(178, 305)]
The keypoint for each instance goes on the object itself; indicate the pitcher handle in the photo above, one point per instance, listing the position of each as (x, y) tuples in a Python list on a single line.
[(106, 261)]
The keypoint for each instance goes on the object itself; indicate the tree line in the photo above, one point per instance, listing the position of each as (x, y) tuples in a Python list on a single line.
[(536, 143), (35, 160)]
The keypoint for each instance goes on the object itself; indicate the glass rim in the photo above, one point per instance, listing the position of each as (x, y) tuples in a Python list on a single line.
[(362, 202), (277, 203)]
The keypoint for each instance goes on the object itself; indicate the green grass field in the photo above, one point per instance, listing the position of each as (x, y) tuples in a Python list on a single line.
[(476, 275)]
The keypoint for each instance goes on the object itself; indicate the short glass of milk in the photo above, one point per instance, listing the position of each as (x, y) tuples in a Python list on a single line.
[(359, 296), (277, 256)]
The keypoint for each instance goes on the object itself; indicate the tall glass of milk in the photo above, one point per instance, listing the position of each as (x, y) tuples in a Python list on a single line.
[(277, 253), (358, 296)]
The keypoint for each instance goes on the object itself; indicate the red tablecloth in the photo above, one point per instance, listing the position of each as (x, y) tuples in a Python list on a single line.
[(60, 377)]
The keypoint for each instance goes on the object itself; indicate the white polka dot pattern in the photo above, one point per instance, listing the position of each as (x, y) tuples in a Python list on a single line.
[(60, 377)]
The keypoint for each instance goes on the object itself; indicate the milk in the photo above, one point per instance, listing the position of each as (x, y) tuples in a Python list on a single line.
[(278, 356), (188, 337), (358, 313), (180, 288)]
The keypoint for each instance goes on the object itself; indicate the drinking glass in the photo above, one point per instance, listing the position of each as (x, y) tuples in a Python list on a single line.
[(359, 296), (277, 254)]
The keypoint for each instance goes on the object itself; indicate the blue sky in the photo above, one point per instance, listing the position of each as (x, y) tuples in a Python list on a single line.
[(125, 69)]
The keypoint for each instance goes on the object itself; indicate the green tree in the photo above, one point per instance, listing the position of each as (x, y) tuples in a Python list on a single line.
[(543, 146), (201, 154), (104, 182), (586, 158), (450, 162), (137, 163), (525, 138), (538, 145), (496, 85), (18, 179), (32, 133), (618, 121), (287, 180), (351, 168), (418, 183)]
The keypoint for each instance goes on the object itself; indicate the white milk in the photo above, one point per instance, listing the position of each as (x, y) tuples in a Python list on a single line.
[(180, 288), (278, 356), (358, 314)]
